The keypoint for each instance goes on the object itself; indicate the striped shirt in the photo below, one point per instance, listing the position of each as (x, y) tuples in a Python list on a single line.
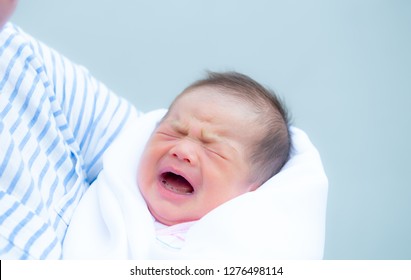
[(56, 121)]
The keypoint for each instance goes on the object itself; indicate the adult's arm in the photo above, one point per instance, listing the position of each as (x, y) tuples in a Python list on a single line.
[(56, 121)]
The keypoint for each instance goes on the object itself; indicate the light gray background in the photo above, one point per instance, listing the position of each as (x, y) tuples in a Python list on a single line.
[(344, 68)]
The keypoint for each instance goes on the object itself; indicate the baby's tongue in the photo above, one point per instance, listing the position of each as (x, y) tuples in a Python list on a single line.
[(176, 183)]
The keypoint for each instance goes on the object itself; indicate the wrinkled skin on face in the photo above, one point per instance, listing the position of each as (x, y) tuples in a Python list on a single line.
[(196, 158)]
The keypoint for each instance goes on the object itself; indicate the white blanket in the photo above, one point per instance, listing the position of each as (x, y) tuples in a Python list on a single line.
[(283, 219)]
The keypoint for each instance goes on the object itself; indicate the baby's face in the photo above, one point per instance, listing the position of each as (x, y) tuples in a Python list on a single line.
[(196, 158)]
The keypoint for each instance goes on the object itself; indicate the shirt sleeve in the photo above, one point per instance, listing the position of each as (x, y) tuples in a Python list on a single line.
[(93, 113), (56, 121)]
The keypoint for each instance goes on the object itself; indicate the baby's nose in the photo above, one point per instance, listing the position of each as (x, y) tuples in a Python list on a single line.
[(183, 158), (185, 151)]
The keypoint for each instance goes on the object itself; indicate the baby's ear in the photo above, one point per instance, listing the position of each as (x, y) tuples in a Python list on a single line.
[(253, 186)]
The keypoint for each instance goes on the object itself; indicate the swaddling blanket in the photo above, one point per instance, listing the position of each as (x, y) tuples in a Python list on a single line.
[(283, 219)]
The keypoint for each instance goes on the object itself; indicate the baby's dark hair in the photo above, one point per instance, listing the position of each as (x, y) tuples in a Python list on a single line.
[(272, 150)]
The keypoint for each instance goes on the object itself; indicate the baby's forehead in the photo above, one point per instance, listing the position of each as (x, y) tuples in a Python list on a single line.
[(245, 135), (214, 98), (209, 95)]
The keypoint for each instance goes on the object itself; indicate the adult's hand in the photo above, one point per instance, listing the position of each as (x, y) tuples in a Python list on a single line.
[(7, 8)]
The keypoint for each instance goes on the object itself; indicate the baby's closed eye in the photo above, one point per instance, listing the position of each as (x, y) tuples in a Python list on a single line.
[(167, 135), (216, 149)]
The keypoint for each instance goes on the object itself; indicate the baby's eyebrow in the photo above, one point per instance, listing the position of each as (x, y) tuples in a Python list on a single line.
[(179, 127), (209, 137), (205, 135)]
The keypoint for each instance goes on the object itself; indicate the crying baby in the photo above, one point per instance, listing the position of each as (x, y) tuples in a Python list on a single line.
[(223, 136)]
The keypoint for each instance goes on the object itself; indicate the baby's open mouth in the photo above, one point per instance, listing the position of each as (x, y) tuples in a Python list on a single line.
[(176, 183)]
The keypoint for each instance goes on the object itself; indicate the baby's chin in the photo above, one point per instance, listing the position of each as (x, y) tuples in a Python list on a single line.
[(169, 220)]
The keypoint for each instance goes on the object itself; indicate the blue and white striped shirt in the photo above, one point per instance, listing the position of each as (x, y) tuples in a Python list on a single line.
[(56, 121)]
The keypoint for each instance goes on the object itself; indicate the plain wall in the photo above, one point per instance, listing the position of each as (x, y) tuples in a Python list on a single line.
[(343, 68)]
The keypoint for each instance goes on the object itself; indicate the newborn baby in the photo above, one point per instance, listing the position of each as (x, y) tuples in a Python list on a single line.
[(222, 137), (196, 182)]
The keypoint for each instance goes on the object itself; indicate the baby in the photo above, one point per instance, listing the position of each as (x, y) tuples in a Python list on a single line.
[(222, 137), (182, 184)]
